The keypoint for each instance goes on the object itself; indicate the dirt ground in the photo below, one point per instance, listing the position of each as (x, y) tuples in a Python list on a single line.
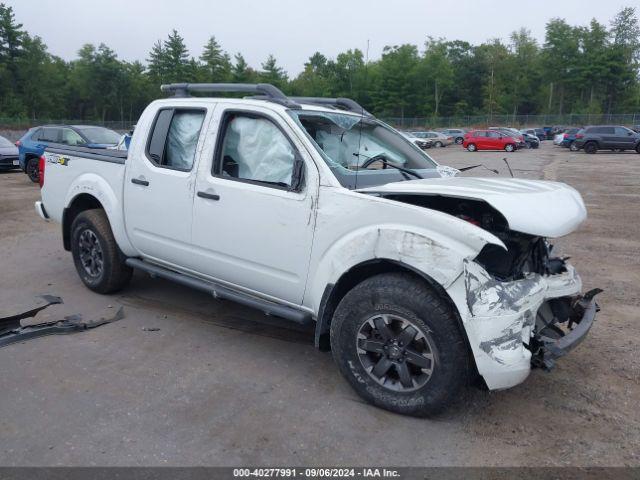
[(219, 384)]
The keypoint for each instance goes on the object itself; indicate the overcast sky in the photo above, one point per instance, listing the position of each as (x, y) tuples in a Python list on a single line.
[(291, 30)]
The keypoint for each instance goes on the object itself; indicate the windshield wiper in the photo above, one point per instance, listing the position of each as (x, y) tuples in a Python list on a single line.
[(383, 158)]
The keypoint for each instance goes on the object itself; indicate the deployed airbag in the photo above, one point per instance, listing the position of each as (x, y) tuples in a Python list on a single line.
[(260, 149)]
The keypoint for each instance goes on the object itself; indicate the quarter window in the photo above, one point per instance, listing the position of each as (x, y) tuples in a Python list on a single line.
[(174, 138), (254, 149)]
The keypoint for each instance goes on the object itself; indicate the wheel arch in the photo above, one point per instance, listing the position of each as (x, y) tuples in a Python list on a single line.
[(334, 293), (79, 204)]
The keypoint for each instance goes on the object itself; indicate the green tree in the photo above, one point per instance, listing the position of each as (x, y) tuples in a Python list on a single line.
[(217, 63), (241, 72), (175, 58), (272, 73)]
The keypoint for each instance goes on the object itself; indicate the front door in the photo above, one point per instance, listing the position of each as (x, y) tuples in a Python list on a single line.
[(159, 186), (252, 227)]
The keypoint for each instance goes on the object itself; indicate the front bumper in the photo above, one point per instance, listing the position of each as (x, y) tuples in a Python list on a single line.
[(506, 325), (9, 162), (549, 349)]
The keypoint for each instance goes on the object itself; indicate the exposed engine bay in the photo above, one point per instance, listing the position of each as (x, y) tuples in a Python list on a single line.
[(525, 253)]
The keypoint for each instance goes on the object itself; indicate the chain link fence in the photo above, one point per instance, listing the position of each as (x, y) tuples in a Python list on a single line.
[(475, 121), (520, 121)]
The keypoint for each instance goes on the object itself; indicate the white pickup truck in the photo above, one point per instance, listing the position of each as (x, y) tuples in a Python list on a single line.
[(312, 210)]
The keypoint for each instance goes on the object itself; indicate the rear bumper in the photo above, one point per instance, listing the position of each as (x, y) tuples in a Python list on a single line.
[(40, 210)]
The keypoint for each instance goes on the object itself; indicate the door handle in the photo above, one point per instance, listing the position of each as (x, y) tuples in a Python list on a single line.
[(139, 181), (210, 196)]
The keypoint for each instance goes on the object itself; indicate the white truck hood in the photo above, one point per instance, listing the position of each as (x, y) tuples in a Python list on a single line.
[(536, 207)]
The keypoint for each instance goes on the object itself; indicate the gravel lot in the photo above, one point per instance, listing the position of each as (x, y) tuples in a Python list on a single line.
[(219, 384)]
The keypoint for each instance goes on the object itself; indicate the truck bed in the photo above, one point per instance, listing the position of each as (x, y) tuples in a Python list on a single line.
[(102, 154)]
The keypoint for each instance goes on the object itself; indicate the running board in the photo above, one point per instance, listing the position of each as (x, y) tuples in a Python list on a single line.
[(225, 293)]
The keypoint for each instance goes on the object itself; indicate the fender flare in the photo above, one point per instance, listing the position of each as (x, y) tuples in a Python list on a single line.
[(97, 187)]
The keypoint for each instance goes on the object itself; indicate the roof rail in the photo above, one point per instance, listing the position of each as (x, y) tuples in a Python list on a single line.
[(344, 103), (268, 91)]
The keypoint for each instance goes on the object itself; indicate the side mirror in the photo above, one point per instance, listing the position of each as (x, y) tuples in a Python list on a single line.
[(629, 133), (297, 175)]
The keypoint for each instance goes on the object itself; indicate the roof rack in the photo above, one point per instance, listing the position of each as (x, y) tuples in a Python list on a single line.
[(266, 90), (343, 103), (263, 91)]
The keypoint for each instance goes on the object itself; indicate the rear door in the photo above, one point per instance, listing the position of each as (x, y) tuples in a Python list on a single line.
[(159, 185), (494, 140), (251, 228), (607, 134)]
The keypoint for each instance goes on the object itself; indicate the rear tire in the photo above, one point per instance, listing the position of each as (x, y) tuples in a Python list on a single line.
[(438, 144), (573, 147), (398, 344), (32, 170), (459, 140), (590, 147), (472, 147), (96, 255)]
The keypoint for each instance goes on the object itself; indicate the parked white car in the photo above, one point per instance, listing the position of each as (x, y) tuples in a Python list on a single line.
[(422, 143), (558, 137), (314, 211)]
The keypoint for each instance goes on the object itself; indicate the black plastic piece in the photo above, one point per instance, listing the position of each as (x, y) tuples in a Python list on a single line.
[(208, 196), (137, 181), (11, 331), (222, 292), (549, 349)]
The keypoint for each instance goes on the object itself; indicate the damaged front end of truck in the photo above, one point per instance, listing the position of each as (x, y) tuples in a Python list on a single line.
[(520, 303)]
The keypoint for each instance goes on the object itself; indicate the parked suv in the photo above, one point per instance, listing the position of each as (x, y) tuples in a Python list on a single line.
[(31, 146), (456, 133), (607, 137)]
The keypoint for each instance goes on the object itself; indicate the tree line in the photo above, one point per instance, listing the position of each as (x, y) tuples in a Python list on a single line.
[(577, 69)]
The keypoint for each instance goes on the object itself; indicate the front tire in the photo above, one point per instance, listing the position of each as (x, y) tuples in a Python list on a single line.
[(96, 255), (459, 140), (509, 147), (33, 170), (472, 147), (398, 344)]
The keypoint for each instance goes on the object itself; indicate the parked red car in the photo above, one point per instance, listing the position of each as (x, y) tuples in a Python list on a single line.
[(489, 140)]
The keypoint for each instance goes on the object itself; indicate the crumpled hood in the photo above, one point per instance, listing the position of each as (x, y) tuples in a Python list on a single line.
[(536, 207)]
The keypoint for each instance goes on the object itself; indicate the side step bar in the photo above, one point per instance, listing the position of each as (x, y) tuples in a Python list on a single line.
[(225, 293)]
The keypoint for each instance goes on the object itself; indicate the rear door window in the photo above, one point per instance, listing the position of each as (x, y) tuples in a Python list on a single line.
[(174, 138), (49, 134)]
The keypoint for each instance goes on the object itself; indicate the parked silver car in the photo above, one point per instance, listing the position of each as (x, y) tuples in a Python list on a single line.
[(439, 139)]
